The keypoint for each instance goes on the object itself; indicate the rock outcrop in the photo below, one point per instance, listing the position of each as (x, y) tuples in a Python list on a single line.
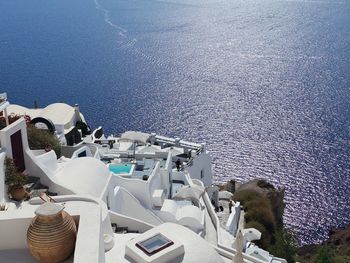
[(335, 249)]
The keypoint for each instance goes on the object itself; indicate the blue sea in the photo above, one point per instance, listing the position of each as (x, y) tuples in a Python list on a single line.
[(265, 83)]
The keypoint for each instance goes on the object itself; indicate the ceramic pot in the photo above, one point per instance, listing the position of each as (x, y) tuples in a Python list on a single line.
[(52, 233), (18, 193)]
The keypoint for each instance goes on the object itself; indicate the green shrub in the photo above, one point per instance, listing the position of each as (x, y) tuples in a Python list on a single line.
[(263, 215), (341, 259), (13, 178), (323, 255), (285, 245), (38, 139)]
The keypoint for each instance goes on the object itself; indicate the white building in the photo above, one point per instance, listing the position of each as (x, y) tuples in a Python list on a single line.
[(59, 118), (123, 191)]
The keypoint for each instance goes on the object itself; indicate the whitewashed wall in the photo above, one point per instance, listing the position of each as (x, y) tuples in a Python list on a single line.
[(202, 162), (122, 202), (136, 187), (5, 136)]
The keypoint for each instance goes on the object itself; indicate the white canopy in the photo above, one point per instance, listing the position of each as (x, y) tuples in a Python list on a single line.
[(135, 136), (190, 192), (149, 149), (174, 150)]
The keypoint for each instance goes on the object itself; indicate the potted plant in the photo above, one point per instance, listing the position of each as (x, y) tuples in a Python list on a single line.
[(15, 181)]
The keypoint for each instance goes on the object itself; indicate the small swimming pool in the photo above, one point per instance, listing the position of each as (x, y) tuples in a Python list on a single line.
[(120, 168)]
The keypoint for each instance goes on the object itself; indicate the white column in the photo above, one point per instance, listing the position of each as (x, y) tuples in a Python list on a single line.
[(77, 112), (6, 117), (177, 141)]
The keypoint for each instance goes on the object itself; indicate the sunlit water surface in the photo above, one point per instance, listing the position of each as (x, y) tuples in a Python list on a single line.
[(264, 83)]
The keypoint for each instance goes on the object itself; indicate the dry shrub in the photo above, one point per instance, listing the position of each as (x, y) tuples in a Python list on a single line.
[(247, 195), (258, 209), (263, 215), (265, 184)]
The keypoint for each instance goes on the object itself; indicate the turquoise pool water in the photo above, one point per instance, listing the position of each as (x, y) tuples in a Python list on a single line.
[(120, 168)]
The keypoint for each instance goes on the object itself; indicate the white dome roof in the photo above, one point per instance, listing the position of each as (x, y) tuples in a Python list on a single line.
[(84, 175), (58, 113), (190, 216)]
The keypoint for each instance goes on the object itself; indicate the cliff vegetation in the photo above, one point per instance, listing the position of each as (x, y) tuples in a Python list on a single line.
[(264, 208), (336, 249)]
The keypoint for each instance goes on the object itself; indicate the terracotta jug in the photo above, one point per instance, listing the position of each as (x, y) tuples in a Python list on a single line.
[(52, 233), (18, 193)]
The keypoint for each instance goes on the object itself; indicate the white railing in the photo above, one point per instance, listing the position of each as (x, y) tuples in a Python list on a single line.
[(222, 249), (182, 143)]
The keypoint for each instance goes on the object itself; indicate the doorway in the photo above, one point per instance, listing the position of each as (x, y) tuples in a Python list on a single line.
[(17, 150)]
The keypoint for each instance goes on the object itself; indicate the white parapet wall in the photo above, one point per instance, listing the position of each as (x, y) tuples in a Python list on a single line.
[(43, 166), (233, 219), (7, 132), (123, 202), (93, 219)]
